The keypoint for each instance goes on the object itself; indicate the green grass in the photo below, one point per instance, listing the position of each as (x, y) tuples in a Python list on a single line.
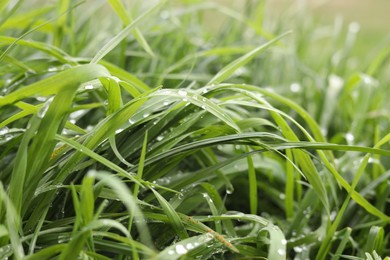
[(134, 130)]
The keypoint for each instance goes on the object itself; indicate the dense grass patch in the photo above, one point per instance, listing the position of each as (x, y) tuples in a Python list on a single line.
[(131, 129)]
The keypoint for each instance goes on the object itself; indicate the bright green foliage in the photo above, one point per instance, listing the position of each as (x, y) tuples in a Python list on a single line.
[(134, 130)]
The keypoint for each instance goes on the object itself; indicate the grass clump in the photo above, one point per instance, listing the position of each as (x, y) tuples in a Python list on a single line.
[(132, 130)]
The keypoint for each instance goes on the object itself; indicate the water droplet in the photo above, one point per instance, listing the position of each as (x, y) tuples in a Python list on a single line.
[(295, 87), (166, 103), (131, 121), (51, 69), (203, 107), (354, 27), (332, 215), (281, 251), (171, 252), (335, 82), (119, 130), (146, 115), (324, 131), (41, 99), (4, 131), (117, 80), (190, 246), (282, 196), (164, 15), (62, 239), (88, 86), (42, 111), (182, 93), (298, 249), (180, 249), (350, 138), (284, 242), (185, 100), (205, 90), (66, 66), (160, 138), (229, 190)]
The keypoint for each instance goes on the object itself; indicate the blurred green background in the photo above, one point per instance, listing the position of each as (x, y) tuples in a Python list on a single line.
[(372, 16)]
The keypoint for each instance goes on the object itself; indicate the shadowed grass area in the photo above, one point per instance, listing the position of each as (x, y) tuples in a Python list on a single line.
[(133, 130)]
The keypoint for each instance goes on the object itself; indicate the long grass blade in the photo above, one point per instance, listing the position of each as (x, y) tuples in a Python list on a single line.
[(123, 34)]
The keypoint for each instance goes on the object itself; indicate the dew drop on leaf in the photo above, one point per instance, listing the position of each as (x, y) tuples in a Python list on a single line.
[(281, 252), (182, 93), (180, 249)]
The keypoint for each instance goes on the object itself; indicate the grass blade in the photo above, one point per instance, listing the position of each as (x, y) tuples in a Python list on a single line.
[(229, 69), (119, 9), (123, 34), (173, 217)]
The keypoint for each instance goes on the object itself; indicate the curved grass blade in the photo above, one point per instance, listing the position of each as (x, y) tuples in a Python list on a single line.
[(47, 253), (124, 194), (201, 102), (85, 150), (108, 47), (73, 248), (219, 208), (277, 247), (125, 76), (213, 210), (375, 240), (229, 69), (13, 223), (54, 84), (173, 217), (119, 9)]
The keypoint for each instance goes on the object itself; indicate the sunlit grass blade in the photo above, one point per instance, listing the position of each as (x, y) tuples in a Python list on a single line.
[(54, 84), (277, 247)]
